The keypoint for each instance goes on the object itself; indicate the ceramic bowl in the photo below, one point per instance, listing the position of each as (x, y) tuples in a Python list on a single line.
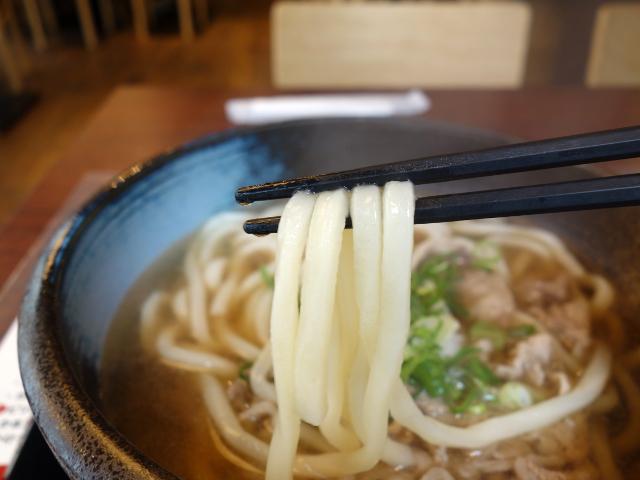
[(93, 260)]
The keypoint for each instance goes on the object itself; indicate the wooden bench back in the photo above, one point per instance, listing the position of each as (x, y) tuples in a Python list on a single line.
[(614, 57), (399, 44)]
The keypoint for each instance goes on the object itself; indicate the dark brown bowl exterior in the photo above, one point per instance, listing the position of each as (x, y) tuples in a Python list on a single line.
[(60, 336)]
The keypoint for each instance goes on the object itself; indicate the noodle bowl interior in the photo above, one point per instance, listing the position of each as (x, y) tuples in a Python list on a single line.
[(469, 350)]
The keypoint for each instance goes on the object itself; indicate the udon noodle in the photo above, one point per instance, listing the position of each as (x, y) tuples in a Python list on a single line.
[(443, 351)]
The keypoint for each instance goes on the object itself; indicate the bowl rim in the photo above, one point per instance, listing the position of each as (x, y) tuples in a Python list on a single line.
[(81, 438)]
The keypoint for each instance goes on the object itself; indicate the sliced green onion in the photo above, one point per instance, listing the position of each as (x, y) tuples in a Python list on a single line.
[(427, 287), (432, 377), (463, 381), (478, 408), (409, 366), (515, 395), (522, 331), (483, 373), (244, 368), (462, 394), (486, 255), (490, 331), (267, 278), (462, 353)]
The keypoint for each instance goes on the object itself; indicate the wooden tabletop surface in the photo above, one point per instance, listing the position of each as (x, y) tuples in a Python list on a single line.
[(138, 122)]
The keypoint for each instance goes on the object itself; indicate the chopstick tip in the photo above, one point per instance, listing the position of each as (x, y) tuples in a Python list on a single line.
[(242, 198), (261, 227)]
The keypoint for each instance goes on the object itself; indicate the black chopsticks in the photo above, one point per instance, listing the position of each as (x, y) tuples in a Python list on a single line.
[(559, 152)]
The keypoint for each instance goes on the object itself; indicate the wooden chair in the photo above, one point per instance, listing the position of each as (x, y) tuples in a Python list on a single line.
[(8, 56), (614, 57), (399, 44), (140, 11), (37, 10)]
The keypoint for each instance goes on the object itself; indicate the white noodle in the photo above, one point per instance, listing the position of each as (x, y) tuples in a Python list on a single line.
[(200, 253), (197, 297), (250, 283), (344, 347), (347, 309), (249, 311), (331, 426), (603, 294), (393, 330), (357, 388), (227, 424), (214, 231), (150, 316), (544, 238), (229, 454), (262, 316), (393, 318), (219, 308), (214, 272), (222, 297), (260, 386), (524, 243), (433, 230), (317, 297), (366, 217), (311, 436), (607, 401), (191, 359), (397, 454), (230, 429), (180, 304), (293, 229)]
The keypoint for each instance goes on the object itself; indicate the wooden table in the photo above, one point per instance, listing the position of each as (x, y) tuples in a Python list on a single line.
[(138, 122)]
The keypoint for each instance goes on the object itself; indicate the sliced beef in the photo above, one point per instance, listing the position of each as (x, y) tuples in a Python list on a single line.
[(486, 297)]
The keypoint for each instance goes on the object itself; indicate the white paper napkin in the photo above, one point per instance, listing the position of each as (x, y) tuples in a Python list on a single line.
[(259, 110), (15, 414)]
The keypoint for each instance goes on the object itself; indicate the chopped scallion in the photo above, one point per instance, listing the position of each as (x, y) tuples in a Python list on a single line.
[(490, 331), (522, 331), (244, 368), (515, 395), (486, 256), (267, 278)]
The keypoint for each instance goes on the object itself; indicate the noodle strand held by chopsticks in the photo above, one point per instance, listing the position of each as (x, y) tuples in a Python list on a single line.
[(293, 229), (393, 330), (349, 325), (366, 218), (342, 351), (317, 299), (331, 426), (319, 311), (387, 352)]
